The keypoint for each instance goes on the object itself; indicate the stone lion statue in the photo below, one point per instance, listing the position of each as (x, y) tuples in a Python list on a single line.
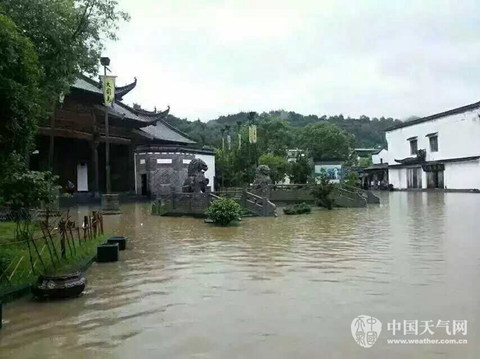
[(196, 181), (262, 181)]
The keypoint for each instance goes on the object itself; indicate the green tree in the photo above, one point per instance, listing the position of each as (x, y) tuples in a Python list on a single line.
[(24, 191), (325, 141), (274, 135), (278, 166), (67, 36), (364, 162), (300, 170), (19, 79)]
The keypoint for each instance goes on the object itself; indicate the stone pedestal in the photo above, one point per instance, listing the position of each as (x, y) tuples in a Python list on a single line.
[(121, 241), (110, 204), (107, 252)]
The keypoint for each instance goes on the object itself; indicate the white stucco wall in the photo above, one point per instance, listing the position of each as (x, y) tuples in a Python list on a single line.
[(458, 137), (462, 175), (398, 177), (381, 157), (210, 161)]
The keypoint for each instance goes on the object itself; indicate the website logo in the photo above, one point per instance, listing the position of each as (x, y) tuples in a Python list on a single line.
[(366, 330)]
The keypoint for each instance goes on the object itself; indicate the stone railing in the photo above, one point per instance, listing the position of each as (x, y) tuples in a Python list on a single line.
[(260, 206), (367, 194)]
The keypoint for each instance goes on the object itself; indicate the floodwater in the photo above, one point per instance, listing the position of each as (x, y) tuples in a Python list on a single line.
[(286, 287)]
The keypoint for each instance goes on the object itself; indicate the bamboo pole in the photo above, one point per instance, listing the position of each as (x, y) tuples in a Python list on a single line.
[(85, 225), (35, 263), (38, 253), (5, 273), (16, 267), (48, 247), (78, 234), (29, 249), (47, 229), (65, 237), (68, 229), (101, 222)]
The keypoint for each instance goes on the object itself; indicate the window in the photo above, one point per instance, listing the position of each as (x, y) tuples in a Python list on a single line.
[(433, 143), (413, 146)]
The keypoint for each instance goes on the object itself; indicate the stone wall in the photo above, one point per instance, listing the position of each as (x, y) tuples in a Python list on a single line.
[(166, 171), (178, 204)]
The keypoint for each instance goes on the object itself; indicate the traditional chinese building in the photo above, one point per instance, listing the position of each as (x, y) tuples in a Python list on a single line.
[(72, 141), (437, 151), (376, 175)]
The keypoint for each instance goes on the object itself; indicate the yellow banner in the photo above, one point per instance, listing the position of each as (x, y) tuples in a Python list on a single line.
[(109, 90)]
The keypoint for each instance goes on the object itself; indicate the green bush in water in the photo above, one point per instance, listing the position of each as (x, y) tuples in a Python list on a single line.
[(157, 208), (299, 208), (322, 192), (223, 211)]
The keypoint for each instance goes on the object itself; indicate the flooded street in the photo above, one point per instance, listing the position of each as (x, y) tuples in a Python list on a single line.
[(268, 288)]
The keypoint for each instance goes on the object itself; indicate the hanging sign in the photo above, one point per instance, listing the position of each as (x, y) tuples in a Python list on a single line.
[(252, 134), (108, 90), (229, 142)]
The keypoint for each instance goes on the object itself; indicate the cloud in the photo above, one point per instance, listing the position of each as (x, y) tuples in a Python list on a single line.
[(390, 58)]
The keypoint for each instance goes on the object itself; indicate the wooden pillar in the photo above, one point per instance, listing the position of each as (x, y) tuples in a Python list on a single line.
[(131, 167), (94, 146), (52, 139)]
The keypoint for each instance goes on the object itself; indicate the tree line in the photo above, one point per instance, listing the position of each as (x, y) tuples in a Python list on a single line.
[(367, 132), (44, 46), (317, 139)]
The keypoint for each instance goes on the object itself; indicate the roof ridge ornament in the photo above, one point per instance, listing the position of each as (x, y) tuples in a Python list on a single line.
[(155, 116), (121, 91)]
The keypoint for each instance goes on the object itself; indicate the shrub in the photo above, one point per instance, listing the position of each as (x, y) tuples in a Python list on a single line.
[(299, 208), (158, 208), (223, 211), (323, 192), (352, 180)]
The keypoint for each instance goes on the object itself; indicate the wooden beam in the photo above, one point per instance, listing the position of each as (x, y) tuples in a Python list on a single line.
[(61, 132)]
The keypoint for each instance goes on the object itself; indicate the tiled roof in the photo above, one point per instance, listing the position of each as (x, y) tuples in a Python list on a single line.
[(155, 128), (87, 84), (454, 111), (165, 132)]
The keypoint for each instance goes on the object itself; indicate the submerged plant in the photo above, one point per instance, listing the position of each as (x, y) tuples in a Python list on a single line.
[(299, 208), (223, 211), (323, 191)]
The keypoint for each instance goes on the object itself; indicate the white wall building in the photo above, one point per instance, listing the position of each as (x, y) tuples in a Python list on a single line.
[(380, 157), (451, 141)]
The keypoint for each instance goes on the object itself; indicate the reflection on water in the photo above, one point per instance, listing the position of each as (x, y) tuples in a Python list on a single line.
[(275, 288)]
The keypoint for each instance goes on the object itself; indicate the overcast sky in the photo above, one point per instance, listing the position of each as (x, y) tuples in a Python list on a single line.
[(207, 58)]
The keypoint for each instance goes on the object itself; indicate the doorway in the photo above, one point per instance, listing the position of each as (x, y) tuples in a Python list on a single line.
[(143, 181), (435, 179), (82, 177), (414, 177)]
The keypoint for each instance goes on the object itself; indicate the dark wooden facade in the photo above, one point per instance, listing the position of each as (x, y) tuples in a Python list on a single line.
[(72, 142)]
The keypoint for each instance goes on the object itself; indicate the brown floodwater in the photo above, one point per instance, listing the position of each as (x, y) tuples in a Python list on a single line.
[(286, 287)]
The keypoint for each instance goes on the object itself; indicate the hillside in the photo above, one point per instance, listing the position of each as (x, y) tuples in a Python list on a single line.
[(368, 132)]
